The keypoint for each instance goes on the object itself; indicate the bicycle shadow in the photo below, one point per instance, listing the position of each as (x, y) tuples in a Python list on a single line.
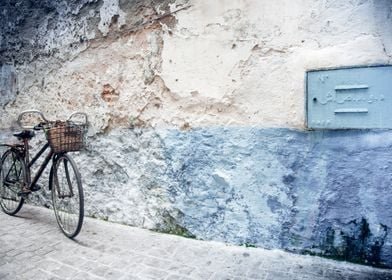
[(44, 217), (30, 213)]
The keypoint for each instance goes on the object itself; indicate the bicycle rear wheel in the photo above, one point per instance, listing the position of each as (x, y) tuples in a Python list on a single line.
[(12, 178), (67, 195)]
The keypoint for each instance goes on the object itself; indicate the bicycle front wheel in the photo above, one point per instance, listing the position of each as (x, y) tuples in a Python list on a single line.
[(67, 195), (12, 179)]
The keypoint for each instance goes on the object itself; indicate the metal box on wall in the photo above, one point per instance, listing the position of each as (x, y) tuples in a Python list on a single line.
[(358, 97)]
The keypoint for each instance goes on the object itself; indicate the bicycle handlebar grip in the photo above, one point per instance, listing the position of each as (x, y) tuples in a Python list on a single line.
[(38, 126), (79, 113), (29, 112)]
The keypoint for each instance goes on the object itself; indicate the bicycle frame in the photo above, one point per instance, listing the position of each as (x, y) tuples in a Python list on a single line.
[(7, 182), (29, 163), (65, 181)]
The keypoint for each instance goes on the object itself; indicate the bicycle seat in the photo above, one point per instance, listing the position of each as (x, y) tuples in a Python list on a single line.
[(25, 134)]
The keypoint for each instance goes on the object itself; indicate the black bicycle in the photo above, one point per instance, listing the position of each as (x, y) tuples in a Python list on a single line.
[(65, 184)]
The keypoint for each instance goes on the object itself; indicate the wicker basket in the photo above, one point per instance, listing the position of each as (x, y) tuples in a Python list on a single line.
[(66, 137)]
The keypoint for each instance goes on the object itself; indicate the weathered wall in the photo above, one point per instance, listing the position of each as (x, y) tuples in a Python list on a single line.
[(197, 115), (227, 63)]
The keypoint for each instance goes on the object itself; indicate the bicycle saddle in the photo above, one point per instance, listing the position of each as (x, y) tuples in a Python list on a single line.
[(25, 134)]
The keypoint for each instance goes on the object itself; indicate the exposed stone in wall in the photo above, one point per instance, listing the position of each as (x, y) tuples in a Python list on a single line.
[(109, 94), (110, 13)]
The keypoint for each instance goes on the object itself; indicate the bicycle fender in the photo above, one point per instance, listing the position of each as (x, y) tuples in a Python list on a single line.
[(51, 176)]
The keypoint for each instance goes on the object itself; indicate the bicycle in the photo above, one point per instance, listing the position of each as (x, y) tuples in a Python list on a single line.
[(65, 184)]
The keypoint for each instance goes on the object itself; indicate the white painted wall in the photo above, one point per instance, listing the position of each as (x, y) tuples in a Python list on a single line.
[(251, 56)]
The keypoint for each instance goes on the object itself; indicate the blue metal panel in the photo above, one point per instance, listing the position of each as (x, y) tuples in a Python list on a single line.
[(350, 98)]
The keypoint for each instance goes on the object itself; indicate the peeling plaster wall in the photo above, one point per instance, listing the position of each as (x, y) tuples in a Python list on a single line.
[(221, 63), (197, 115)]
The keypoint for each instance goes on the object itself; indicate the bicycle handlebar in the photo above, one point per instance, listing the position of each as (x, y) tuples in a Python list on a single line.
[(30, 112), (79, 113), (20, 117)]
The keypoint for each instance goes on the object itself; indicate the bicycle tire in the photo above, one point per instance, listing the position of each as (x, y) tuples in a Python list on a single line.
[(12, 178), (67, 195)]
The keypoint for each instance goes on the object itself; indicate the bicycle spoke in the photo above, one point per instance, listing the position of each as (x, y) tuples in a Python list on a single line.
[(12, 178), (67, 196), (12, 166), (9, 188)]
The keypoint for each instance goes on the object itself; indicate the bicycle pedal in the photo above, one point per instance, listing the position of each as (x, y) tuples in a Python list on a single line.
[(35, 188), (24, 194)]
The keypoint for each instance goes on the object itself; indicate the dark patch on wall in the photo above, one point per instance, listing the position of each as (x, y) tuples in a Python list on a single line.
[(26, 25), (288, 179), (8, 84), (171, 225), (355, 243), (274, 204)]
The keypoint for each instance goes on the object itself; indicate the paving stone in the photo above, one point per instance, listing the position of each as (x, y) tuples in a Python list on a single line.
[(49, 265), (277, 275), (25, 256), (4, 275), (75, 261), (85, 276), (156, 262), (113, 274), (107, 259), (88, 266), (153, 273), (100, 270), (40, 274), (122, 264), (10, 268), (201, 273), (180, 268), (109, 251), (65, 272), (13, 253), (219, 276), (2, 261), (130, 277), (177, 277), (259, 274)]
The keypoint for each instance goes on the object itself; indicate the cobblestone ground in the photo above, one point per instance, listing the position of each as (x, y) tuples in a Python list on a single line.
[(32, 247)]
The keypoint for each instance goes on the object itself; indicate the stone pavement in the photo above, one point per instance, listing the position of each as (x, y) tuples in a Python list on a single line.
[(32, 247)]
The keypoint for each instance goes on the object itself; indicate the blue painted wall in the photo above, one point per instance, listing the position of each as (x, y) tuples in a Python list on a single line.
[(322, 192)]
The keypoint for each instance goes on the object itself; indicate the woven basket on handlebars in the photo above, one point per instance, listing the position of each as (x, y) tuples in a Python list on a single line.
[(66, 137)]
